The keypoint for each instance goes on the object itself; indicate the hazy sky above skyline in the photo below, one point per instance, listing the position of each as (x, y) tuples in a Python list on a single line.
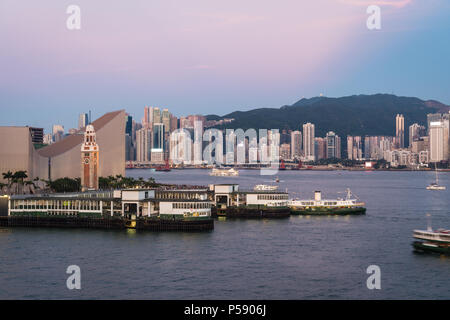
[(203, 56)]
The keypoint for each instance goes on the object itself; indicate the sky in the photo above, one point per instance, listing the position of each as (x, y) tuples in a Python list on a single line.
[(213, 57)]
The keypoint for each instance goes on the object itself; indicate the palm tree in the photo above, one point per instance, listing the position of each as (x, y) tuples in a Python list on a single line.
[(8, 176), (19, 176)]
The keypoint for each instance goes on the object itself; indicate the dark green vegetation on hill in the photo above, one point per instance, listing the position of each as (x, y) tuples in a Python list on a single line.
[(352, 115)]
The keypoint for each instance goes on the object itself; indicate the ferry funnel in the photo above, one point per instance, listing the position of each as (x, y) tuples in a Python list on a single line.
[(317, 195)]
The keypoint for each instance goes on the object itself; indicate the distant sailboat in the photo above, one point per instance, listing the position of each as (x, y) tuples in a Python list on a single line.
[(435, 185)]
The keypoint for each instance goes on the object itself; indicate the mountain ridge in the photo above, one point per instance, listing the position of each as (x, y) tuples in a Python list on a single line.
[(350, 115)]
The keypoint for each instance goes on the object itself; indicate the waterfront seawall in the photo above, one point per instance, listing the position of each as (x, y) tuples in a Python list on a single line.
[(252, 212), (117, 223)]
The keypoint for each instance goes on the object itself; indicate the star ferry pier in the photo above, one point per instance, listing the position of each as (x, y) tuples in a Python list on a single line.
[(140, 209)]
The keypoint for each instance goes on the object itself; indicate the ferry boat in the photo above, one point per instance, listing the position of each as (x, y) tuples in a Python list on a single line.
[(264, 187), (319, 206), (436, 241), (165, 168), (435, 185), (224, 172)]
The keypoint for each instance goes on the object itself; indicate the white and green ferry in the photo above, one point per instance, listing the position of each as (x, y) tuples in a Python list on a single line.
[(436, 241), (319, 206)]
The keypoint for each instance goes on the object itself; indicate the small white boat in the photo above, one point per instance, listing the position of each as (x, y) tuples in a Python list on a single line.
[(435, 185), (224, 172), (265, 187)]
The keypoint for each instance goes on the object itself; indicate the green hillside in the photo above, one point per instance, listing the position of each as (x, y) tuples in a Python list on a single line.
[(352, 115)]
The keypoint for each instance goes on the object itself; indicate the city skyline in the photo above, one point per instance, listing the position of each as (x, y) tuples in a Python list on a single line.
[(202, 153), (150, 141), (169, 63)]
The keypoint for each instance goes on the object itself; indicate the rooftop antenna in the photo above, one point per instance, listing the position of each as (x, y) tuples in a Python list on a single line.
[(90, 119), (429, 228)]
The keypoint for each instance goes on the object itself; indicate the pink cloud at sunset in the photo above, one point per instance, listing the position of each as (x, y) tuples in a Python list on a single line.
[(235, 50)]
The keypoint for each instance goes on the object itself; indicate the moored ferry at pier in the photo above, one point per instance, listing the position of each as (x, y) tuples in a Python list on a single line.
[(319, 206)]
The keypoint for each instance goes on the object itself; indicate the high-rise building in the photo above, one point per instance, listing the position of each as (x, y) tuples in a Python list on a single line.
[(181, 147), (185, 123), (400, 130), (354, 148), (147, 121), (285, 136), (58, 132), (130, 150), (190, 120), (37, 135), (296, 144), (143, 145), (366, 147), (273, 140), (421, 144), (129, 125), (308, 141), (83, 120), (198, 142), (165, 119), (156, 115), (333, 143), (415, 132), (173, 123), (375, 146), (241, 152), (433, 117), (134, 128), (230, 147), (158, 136), (89, 160), (253, 150), (439, 140), (320, 146), (285, 151), (157, 152), (48, 138)]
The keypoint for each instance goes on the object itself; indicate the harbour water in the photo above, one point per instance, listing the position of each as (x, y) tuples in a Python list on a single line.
[(295, 258)]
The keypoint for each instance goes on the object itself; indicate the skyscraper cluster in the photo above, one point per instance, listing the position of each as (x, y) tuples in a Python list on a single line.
[(426, 144), (150, 140)]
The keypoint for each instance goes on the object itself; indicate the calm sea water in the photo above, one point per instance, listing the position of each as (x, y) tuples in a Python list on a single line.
[(296, 258)]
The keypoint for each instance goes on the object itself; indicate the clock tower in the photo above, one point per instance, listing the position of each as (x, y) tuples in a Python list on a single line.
[(89, 160)]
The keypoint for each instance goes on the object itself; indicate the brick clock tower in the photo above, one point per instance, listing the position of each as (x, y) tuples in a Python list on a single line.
[(89, 160)]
